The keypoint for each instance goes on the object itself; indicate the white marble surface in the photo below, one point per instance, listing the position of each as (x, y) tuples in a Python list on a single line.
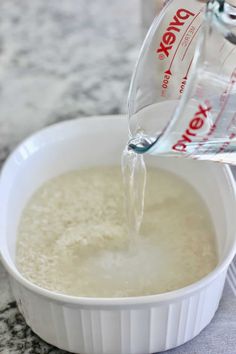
[(60, 59), (63, 59)]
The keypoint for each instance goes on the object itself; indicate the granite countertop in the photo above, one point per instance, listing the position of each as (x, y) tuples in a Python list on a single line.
[(61, 60)]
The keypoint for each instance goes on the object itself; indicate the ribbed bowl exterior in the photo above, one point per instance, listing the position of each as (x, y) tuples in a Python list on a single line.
[(120, 329)]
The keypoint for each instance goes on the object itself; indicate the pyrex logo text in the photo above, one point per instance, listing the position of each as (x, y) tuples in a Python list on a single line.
[(195, 124), (169, 37)]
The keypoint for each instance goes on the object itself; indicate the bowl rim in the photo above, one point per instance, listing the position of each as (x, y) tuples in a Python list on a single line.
[(111, 301)]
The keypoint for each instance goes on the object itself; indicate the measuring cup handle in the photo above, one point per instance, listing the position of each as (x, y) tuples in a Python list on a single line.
[(223, 17)]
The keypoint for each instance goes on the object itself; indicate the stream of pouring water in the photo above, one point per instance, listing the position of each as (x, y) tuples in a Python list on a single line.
[(134, 177)]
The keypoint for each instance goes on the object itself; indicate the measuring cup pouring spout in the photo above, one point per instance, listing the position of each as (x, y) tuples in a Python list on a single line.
[(182, 99), (141, 144)]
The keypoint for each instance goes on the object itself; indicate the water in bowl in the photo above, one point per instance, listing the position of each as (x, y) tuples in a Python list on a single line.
[(73, 239)]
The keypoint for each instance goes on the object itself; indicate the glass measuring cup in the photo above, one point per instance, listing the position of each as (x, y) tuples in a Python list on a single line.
[(185, 80)]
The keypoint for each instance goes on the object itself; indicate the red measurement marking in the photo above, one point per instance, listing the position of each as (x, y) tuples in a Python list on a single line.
[(186, 75), (181, 40), (185, 78), (165, 83), (212, 129), (227, 143), (168, 72), (182, 86), (194, 35), (224, 146), (204, 140)]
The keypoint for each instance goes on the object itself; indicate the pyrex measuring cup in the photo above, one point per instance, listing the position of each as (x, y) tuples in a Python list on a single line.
[(186, 79)]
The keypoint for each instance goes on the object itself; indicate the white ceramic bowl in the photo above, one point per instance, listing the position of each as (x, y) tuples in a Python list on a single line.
[(123, 325)]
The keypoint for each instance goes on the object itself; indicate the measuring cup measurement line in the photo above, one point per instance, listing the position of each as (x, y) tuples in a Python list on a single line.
[(227, 95), (208, 150), (228, 88), (226, 143), (184, 79), (186, 76), (191, 40), (168, 71)]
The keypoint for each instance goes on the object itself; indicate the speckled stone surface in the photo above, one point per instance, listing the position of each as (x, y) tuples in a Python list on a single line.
[(62, 59)]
